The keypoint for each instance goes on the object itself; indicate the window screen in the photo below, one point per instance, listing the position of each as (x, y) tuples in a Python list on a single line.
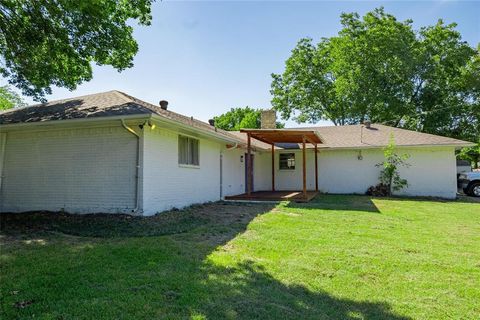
[(287, 161), (188, 151)]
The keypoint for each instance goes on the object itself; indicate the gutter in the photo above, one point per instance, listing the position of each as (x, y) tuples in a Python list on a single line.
[(137, 165)]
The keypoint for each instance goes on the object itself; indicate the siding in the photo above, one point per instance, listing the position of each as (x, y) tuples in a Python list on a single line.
[(432, 171), (166, 184), (233, 172), (76, 170)]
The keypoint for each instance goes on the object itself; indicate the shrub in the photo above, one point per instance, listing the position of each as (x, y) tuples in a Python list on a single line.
[(389, 175)]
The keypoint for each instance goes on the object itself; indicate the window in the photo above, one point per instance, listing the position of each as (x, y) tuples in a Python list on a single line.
[(287, 161), (188, 151)]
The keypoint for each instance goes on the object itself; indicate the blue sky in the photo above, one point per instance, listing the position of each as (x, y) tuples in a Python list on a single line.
[(206, 57)]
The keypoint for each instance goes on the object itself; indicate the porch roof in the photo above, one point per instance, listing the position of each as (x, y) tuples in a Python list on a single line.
[(272, 136)]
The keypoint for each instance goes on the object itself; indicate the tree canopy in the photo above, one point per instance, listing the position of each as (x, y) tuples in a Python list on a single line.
[(238, 118), (381, 69), (10, 99), (46, 43)]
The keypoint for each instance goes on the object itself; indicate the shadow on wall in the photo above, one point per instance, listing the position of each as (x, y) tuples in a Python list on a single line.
[(171, 275)]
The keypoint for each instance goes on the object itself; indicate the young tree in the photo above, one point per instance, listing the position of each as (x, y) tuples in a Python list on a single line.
[(238, 118), (10, 99), (45, 43), (389, 175)]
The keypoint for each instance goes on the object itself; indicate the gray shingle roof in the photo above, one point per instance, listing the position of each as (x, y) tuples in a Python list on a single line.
[(358, 136), (116, 103), (104, 104), (378, 135)]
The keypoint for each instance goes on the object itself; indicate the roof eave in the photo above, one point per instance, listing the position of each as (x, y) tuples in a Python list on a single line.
[(18, 125), (207, 133), (456, 146)]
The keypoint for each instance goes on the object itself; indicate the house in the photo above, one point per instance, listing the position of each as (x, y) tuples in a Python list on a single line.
[(110, 152)]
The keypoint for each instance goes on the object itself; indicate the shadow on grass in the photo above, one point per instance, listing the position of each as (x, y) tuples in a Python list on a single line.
[(248, 291), (101, 225), (337, 202), (364, 203), (171, 276)]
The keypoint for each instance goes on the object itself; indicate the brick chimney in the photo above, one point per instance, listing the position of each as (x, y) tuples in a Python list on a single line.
[(268, 119)]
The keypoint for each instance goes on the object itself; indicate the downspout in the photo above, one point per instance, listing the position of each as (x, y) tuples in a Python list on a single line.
[(3, 143), (137, 176), (221, 167)]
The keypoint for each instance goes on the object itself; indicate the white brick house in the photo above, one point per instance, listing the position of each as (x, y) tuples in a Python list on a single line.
[(110, 152)]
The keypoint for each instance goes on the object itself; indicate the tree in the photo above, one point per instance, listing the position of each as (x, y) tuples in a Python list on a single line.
[(380, 69), (389, 176), (45, 43), (10, 99), (238, 118)]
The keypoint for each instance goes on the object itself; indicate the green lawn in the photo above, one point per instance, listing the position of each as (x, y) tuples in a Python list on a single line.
[(339, 257)]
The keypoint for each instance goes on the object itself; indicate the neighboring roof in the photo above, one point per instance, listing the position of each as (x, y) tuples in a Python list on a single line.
[(273, 136), (104, 104)]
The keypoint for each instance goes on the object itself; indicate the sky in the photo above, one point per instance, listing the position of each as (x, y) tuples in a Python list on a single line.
[(208, 57)]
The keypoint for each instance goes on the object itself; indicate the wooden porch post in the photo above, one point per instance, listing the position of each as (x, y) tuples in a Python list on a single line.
[(304, 169), (273, 167), (249, 165), (316, 168)]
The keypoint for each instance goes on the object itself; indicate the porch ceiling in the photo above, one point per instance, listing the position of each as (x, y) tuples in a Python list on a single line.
[(272, 136)]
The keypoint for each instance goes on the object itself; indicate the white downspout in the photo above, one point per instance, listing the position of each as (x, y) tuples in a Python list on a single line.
[(137, 176), (3, 143)]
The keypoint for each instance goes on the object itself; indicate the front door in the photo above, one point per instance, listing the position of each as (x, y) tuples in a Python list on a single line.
[(246, 171)]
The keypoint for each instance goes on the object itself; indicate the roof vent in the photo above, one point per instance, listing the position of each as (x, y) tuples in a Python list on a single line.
[(211, 122), (367, 124), (163, 104)]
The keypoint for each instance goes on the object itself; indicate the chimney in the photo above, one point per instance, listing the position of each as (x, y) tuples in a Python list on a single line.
[(211, 122), (268, 119), (367, 124), (163, 104)]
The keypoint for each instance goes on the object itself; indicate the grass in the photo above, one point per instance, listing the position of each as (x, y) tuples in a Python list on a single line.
[(338, 257)]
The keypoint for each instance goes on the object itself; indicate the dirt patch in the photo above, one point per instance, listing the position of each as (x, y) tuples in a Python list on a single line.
[(38, 225)]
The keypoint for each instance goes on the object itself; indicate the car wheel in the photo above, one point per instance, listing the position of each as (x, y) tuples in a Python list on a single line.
[(475, 189), (465, 190)]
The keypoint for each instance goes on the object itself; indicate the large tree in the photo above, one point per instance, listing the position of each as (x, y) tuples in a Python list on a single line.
[(10, 99), (46, 43), (238, 118), (382, 69)]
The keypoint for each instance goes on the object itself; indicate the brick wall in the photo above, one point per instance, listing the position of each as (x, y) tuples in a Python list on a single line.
[(76, 170)]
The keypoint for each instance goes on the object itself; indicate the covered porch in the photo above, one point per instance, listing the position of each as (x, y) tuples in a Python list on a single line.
[(280, 136)]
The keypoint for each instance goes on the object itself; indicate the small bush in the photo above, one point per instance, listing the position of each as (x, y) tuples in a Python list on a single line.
[(380, 190)]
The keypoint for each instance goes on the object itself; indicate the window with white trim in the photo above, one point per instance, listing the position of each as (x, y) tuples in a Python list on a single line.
[(287, 161), (188, 151)]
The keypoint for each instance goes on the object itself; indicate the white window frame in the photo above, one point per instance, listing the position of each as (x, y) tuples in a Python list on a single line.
[(280, 161), (189, 163)]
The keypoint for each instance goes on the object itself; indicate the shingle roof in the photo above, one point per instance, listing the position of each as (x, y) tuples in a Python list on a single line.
[(378, 135), (116, 103), (358, 136), (104, 104)]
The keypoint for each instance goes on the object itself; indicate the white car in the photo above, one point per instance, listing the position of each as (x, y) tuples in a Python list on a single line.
[(470, 183)]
